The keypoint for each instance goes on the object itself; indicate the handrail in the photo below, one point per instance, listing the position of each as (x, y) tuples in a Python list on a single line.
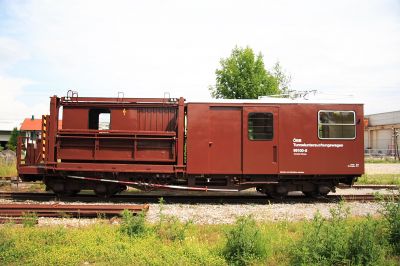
[(116, 132)]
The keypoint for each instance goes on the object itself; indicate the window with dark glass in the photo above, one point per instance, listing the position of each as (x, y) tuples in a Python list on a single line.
[(261, 126), (336, 125)]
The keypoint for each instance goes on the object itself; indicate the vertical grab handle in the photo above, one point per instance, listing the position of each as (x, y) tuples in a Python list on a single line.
[(275, 154)]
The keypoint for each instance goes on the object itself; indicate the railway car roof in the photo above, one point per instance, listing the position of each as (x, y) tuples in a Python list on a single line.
[(283, 101)]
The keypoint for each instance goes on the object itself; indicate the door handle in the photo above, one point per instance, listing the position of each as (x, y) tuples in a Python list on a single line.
[(275, 154), (210, 143)]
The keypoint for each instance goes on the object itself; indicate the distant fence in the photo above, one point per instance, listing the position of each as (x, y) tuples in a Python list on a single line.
[(381, 153)]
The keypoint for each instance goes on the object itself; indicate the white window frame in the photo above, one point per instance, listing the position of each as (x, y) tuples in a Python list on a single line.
[(326, 124)]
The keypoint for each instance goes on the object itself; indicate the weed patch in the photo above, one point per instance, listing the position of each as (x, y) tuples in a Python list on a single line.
[(133, 225), (391, 212), (7, 246), (29, 219), (381, 160), (245, 242), (367, 244), (337, 241), (380, 179), (170, 228), (7, 169)]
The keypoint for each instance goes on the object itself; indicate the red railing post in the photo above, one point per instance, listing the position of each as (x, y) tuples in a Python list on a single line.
[(181, 132), (19, 143), (52, 127)]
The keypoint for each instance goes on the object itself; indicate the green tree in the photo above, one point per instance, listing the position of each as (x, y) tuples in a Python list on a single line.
[(12, 142), (283, 78), (243, 76)]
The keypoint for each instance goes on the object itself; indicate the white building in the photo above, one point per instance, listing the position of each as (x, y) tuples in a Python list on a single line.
[(382, 134)]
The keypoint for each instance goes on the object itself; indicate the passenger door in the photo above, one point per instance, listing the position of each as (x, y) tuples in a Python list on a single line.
[(224, 146), (260, 139)]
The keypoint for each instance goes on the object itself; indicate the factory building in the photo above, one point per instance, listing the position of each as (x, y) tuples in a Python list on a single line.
[(381, 135)]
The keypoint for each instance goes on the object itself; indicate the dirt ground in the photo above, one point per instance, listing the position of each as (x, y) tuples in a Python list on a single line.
[(382, 168)]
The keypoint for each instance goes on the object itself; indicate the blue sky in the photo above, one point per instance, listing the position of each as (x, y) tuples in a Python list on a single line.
[(145, 48)]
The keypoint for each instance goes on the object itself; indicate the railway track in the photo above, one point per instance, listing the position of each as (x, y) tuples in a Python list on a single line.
[(370, 186), (16, 211), (184, 198), (13, 180)]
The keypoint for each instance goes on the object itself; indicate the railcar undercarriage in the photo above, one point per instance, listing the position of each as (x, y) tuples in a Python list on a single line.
[(107, 185)]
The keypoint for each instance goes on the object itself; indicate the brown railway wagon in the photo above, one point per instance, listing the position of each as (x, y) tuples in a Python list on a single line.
[(274, 145)]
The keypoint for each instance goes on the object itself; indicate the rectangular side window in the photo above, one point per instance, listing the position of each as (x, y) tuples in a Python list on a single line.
[(336, 125), (99, 119), (261, 126)]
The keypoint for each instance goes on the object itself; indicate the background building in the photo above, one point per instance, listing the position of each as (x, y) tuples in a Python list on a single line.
[(6, 126), (31, 128), (381, 135)]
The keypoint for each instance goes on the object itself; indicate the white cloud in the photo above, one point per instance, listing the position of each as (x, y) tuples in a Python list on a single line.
[(11, 51), (13, 109), (146, 48)]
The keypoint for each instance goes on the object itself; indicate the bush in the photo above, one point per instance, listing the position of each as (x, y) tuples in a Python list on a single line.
[(367, 243), (322, 243), (244, 242), (133, 225), (337, 242), (171, 228), (391, 213)]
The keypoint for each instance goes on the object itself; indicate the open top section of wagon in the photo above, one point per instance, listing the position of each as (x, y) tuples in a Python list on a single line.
[(274, 145)]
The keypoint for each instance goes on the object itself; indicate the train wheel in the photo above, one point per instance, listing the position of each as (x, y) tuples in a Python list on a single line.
[(101, 191), (320, 191), (311, 194), (107, 190), (67, 193), (62, 188), (277, 192)]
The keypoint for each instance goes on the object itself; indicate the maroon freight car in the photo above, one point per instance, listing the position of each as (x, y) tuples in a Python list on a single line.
[(106, 144)]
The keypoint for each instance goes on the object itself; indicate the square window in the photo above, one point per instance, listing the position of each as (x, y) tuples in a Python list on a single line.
[(261, 126), (336, 125)]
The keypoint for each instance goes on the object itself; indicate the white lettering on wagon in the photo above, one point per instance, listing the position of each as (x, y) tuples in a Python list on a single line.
[(291, 172), (353, 165), (302, 149)]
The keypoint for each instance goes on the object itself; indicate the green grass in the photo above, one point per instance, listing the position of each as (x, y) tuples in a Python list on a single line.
[(7, 169), (101, 244), (381, 160), (380, 179), (317, 242)]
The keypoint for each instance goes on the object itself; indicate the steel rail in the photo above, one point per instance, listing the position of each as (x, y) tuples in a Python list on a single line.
[(213, 198), (70, 210), (369, 186)]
